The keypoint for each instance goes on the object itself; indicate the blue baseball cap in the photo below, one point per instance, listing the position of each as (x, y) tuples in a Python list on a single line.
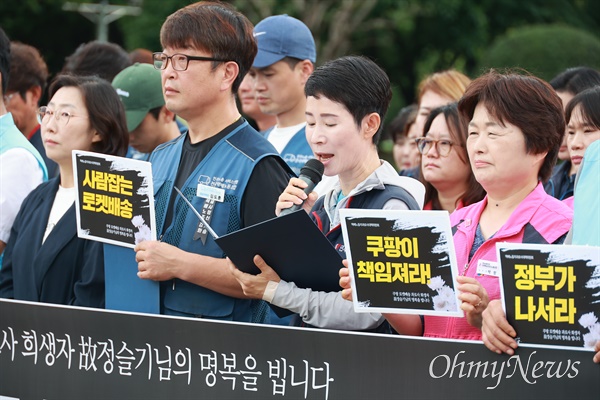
[(281, 36)]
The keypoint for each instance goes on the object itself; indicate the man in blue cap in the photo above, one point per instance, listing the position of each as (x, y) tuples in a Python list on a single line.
[(285, 59)]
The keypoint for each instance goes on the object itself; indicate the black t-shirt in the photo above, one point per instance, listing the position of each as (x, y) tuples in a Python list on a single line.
[(268, 180)]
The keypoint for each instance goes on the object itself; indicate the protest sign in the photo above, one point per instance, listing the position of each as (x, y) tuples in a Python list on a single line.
[(551, 293), (115, 202), (401, 261)]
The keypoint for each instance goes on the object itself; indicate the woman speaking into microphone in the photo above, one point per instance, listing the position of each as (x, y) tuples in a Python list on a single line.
[(347, 99)]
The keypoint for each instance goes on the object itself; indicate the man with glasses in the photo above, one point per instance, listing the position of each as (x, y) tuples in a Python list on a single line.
[(21, 165), (26, 85), (229, 173)]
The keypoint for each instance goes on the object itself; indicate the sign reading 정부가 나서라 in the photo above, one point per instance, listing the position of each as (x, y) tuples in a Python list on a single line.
[(551, 293)]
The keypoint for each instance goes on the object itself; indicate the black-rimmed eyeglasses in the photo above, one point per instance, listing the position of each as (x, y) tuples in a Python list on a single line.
[(179, 61)]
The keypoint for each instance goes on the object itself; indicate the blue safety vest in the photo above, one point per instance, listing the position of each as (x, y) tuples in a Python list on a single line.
[(221, 180)]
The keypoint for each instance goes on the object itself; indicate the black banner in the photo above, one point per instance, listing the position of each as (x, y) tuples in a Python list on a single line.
[(51, 352)]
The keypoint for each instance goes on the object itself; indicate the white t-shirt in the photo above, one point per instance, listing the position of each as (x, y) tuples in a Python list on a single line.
[(63, 200), (20, 173), (280, 137)]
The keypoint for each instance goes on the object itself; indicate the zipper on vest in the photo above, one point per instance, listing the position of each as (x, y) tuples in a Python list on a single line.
[(465, 269)]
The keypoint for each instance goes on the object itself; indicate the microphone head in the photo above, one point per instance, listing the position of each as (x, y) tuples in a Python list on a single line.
[(313, 170)]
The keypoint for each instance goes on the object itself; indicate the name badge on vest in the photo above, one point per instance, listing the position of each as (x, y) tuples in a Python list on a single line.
[(485, 267), (210, 193), (207, 213)]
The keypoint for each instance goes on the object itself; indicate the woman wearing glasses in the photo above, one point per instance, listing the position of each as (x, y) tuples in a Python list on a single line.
[(435, 90), (44, 260), (445, 170), (515, 126)]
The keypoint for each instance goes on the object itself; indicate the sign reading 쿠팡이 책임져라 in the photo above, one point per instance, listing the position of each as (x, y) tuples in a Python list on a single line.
[(115, 199), (551, 293), (401, 261)]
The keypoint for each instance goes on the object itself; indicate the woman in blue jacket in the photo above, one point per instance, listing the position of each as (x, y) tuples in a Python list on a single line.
[(44, 259)]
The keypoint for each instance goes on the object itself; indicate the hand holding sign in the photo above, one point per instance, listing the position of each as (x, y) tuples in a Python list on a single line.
[(474, 299), (497, 334), (345, 283)]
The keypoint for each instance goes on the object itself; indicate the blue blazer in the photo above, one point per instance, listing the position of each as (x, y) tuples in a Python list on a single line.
[(63, 270)]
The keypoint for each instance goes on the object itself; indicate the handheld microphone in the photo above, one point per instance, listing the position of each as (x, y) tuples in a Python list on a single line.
[(311, 173)]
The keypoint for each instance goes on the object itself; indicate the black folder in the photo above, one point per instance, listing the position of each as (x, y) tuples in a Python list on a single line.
[(292, 245)]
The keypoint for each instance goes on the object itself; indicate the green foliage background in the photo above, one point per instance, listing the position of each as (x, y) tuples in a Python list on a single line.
[(408, 38), (543, 50)]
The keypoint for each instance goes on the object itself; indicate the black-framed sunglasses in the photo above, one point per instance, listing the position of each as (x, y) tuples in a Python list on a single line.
[(179, 61)]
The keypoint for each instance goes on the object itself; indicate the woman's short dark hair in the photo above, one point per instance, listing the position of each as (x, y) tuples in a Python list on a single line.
[(526, 102), (575, 80), (357, 83), (216, 28), (105, 110), (589, 100), (458, 134)]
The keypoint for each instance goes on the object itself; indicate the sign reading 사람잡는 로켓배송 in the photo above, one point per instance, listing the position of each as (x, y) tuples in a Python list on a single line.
[(115, 199), (401, 261), (551, 293)]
